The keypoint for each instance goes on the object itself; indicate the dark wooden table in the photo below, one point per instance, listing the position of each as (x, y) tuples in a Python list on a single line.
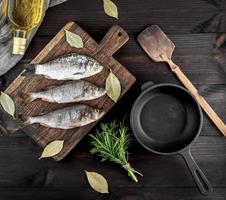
[(195, 27)]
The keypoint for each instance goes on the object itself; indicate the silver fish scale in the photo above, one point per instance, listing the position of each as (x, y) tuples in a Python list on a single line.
[(71, 58), (69, 117), (70, 92), (69, 67)]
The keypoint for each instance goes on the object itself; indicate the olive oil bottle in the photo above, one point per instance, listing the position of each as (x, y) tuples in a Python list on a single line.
[(24, 15), (3, 12)]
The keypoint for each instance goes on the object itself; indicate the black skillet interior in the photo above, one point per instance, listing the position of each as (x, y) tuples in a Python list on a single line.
[(165, 119)]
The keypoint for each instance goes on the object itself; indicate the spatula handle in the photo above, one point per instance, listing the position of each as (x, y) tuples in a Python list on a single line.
[(203, 103)]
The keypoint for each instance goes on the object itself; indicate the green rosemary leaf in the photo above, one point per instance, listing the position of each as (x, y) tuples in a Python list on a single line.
[(111, 144)]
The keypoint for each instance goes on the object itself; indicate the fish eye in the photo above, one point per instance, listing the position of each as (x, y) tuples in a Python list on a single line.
[(97, 66), (96, 111)]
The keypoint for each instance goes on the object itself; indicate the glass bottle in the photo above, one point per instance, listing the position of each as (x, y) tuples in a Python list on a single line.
[(24, 15), (3, 10)]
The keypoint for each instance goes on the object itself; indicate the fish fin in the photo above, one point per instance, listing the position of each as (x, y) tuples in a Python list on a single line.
[(29, 70), (26, 97)]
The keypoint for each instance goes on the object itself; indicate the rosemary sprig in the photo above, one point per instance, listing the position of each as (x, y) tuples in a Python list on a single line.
[(111, 143)]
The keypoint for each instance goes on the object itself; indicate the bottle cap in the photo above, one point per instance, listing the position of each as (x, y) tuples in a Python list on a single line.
[(19, 45)]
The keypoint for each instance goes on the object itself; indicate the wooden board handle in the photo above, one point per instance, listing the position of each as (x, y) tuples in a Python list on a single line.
[(115, 38), (203, 103)]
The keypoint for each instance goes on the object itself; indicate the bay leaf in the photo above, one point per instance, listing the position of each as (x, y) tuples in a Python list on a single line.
[(7, 103), (52, 149), (97, 182), (110, 8), (113, 87), (74, 40)]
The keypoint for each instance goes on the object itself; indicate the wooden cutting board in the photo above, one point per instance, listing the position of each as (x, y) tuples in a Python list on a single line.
[(115, 38)]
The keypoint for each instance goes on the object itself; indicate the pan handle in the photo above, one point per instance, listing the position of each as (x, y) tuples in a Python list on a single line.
[(200, 179), (147, 85)]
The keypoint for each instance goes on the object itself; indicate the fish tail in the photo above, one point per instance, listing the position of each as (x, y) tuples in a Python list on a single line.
[(27, 97), (25, 120), (29, 70)]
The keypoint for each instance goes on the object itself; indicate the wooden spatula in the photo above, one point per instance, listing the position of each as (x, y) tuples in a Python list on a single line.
[(160, 48)]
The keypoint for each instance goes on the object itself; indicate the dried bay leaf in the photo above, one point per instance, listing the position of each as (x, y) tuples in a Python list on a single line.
[(7, 103), (110, 8), (113, 87), (52, 149), (97, 182), (74, 40)]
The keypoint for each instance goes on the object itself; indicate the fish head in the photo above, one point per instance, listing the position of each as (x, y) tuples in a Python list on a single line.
[(100, 92), (94, 67), (97, 114)]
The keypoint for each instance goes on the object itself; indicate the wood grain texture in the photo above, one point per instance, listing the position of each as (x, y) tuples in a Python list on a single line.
[(177, 16), (22, 168), (114, 39), (194, 26), (196, 55), (160, 49), (130, 193)]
